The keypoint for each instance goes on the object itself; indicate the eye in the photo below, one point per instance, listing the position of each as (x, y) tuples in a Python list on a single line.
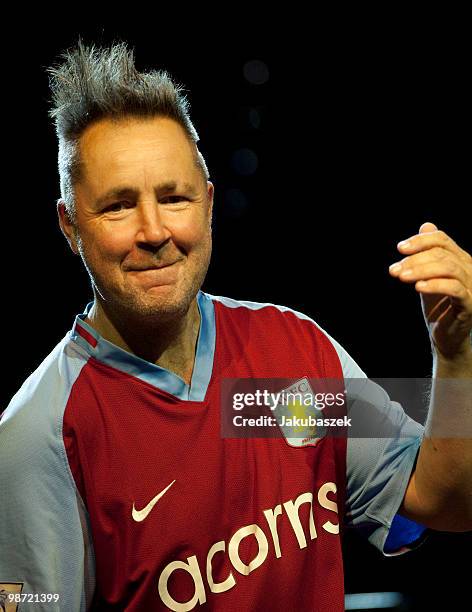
[(116, 206), (176, 198)]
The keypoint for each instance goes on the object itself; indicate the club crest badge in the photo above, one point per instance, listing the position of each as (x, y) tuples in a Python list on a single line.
[(297, 416)]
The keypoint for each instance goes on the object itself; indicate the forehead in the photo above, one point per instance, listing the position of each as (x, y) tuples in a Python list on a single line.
[(126, 146)]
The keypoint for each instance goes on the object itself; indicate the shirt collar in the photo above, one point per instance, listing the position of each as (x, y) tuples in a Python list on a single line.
[(107, 352)]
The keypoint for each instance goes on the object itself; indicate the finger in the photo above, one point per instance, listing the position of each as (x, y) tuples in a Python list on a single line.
[(428, 256), (437, 308), (428, 227), (457, 327), (428, 240), (460, 296), (446, 268)]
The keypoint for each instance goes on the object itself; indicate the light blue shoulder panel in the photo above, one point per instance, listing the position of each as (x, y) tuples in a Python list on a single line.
[(44, 526)]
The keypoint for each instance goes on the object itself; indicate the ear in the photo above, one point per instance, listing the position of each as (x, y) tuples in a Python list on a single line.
[(67, 226), (210, 193)]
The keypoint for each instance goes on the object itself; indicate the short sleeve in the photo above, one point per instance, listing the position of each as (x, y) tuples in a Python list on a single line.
[(45, 546), (379, 469)]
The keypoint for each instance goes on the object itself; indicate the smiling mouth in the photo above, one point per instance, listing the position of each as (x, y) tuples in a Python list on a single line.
[(152, 268)]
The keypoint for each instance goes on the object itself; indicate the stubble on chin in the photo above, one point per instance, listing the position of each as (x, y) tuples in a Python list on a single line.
[(168, 303)]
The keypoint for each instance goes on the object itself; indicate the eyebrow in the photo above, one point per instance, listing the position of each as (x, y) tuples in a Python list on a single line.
[(131, 192)]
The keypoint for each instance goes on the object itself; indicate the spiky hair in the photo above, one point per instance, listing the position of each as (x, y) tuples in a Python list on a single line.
[(93, 83)]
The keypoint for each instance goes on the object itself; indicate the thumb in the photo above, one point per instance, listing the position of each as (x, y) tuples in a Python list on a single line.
[(428, 227)]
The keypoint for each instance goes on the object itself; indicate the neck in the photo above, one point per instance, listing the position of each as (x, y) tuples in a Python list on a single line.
[(171, 345)]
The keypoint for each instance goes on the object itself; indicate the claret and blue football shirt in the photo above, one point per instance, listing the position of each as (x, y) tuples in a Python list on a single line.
[(118, 491)]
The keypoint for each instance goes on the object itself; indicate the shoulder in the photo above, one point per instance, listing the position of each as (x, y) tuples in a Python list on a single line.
[(33, 418), (41, 507), (257, 306), (265, 312), (268, 312)]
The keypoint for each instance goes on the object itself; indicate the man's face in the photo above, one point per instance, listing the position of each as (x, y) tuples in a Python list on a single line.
[(143, 216)]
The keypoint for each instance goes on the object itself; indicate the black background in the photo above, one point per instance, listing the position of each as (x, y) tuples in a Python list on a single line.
[(361, 139)]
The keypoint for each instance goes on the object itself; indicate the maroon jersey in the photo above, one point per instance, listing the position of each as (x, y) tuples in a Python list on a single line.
[(149, 507)]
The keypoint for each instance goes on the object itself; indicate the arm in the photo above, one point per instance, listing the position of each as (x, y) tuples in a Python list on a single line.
[(439, 494), (378, 468), (45, 543)]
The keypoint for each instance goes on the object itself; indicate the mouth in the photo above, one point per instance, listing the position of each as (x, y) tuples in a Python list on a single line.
[(154, 276), (153, 268)]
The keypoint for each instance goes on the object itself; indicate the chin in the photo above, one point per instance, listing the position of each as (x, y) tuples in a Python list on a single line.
[(161, 302)]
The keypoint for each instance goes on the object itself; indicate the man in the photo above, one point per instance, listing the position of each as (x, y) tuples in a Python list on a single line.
[(119, 490)]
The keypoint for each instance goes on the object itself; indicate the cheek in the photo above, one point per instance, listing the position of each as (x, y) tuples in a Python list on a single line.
[(190, 230), (109, 244), (199, 238)]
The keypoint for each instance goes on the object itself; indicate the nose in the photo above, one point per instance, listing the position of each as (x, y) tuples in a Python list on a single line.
[(152, 229)]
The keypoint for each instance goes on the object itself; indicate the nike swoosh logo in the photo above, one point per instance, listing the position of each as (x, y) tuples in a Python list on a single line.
[(140, 515)]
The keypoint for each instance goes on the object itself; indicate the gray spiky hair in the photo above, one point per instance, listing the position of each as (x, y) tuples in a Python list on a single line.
[(93, 83)]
